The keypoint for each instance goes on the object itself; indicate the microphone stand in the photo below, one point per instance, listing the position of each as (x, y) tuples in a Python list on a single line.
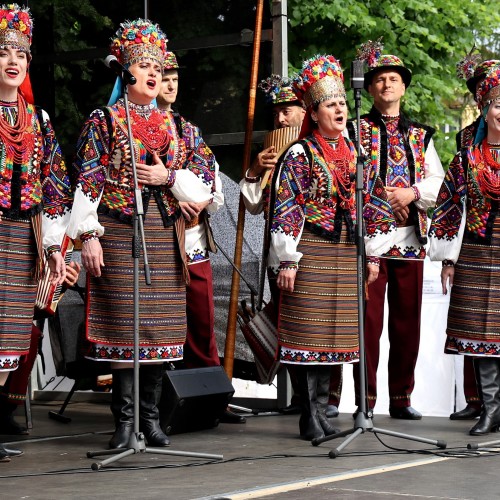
[(137, 443), (363, 422)]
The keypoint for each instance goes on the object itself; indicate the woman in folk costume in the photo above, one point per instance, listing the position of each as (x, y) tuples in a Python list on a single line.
[(312, 234), (102, 220), (35, 194), (465, 236), (473, 70)]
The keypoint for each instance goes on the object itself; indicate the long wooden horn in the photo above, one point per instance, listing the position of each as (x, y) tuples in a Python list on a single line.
[(238, 247)]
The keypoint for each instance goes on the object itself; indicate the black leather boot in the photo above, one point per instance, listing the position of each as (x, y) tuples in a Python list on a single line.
[(323, 393), (7, 423), (149, 397), (309, 424), (122, 407), (488, 369)]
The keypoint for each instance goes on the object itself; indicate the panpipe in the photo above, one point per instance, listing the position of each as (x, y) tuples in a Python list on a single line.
[(48, 295), (281, 139)]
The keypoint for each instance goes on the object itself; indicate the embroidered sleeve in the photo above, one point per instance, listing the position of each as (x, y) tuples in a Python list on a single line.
[(90, 165), (196, 181), (448, 223), (56, 188), (429, 186), (288, 215), (380, 225)]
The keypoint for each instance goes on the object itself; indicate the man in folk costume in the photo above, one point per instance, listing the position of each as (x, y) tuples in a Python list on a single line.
[(200, 348), (288, 111), (473, 70), (35, 199), (403, 165), (102, 218)]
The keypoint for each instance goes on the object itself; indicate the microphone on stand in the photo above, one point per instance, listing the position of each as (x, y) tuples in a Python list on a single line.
[(357, 78), (357, 84), (112, 63)]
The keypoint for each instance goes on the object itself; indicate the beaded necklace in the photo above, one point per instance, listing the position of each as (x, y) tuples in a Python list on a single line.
[(148, 125), (487, 175), (338, 161), (16, 137)]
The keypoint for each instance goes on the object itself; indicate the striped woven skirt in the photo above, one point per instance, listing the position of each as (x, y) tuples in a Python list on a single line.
[(162, 306), (318, 321), (17, 290), (474, 313)]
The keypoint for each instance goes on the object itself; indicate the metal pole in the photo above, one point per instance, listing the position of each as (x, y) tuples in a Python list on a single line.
[(280, 37), (238, 248), (280, 67)]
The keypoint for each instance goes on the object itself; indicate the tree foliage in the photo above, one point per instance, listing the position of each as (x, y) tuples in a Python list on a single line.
[(429, 35)]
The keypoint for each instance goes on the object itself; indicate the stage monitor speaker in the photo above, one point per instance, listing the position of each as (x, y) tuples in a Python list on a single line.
[(193, 399)]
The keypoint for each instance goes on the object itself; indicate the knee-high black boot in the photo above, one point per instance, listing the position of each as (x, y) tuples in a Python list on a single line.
[(122, 407), (309, 424), (149, 397), (8, 425), (488, 369), (322, 393)]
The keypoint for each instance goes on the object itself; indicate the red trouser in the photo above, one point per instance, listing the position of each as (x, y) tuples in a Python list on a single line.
[(17, 384), (200, 349), (470, 385), (403, 279)]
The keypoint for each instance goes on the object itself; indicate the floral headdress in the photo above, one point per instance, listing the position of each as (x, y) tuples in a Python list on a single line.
[(467, 65), (170, 61), (473, 70), (278, 90), (489, 88), (139, 40), (371, 53), (487, 91), (320, 79), (16, 27)]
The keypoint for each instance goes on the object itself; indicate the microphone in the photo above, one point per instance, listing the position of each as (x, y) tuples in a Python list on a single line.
[(357, 74), (112, 63)]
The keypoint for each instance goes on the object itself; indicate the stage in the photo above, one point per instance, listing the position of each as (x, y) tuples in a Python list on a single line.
[(263, 458)]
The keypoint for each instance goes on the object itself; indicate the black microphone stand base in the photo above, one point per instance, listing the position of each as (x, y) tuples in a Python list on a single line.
[(479, 446), (137, 445), (362, 424)]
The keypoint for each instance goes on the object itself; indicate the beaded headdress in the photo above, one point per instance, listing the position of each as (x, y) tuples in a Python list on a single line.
[(371, 53), (139, 40), (320, 79), (16, 27), (170, 61), (489, 88), (278, 90), (473, 70)]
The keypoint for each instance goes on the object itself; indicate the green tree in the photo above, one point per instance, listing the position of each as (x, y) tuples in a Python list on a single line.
[(429, 35)]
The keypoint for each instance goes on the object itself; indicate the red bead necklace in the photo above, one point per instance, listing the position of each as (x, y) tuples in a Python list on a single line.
[(151, 131), (18, 138), (338, 160), (488, 175)]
